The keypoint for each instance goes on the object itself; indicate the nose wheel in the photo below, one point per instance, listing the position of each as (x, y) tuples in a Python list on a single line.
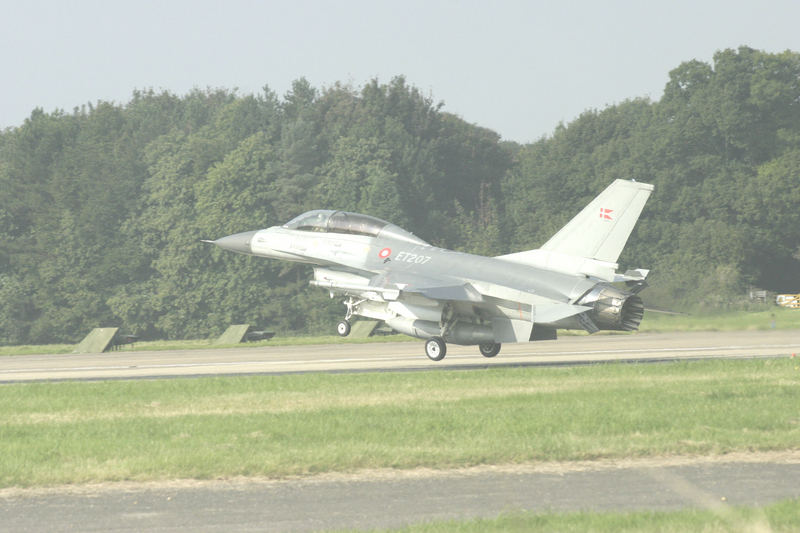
[(435, 348)]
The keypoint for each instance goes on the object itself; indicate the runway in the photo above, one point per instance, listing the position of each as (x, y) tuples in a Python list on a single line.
[(397, 356), (401, 499)]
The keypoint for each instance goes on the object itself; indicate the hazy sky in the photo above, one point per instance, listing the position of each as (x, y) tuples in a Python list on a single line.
[(517, 67)]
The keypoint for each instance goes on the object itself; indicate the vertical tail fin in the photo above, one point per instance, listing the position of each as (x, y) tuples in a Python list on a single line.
[(591, 242), (601, 230)]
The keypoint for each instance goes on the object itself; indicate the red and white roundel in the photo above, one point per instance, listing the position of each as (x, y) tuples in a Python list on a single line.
[(386, 252)]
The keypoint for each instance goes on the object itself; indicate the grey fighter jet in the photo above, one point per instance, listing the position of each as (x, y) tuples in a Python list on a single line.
[(389, 274)]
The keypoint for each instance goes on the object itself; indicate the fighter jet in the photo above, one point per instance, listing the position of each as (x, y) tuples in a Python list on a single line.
[(389, 274)]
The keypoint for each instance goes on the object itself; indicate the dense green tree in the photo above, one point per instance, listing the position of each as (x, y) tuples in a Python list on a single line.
[(102, 209)]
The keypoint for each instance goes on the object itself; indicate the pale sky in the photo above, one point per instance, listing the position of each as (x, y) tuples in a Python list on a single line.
[(516, 67)]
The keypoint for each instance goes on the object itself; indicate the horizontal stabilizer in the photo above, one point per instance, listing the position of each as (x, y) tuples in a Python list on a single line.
[(638, 274), (549, 313)]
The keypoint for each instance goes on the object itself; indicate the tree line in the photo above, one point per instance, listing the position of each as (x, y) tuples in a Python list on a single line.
[(102, 209)]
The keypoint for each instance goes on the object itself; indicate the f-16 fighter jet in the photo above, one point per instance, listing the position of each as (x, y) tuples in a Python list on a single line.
[(389, 274)]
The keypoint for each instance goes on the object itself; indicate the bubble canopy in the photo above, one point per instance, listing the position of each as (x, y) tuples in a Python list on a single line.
[(343, 222)]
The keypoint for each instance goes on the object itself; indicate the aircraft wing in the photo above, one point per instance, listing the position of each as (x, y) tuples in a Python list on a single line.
[(544, 310), (389, 285), (442, 288)]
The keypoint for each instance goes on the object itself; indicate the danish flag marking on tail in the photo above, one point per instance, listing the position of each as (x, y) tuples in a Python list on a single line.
[(605, 214)]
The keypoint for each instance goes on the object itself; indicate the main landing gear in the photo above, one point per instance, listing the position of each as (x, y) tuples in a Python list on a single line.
[(343, 328), (489, 349), (435, 348)]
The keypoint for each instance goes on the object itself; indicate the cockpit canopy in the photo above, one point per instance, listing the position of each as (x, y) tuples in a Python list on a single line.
[(328, 221)]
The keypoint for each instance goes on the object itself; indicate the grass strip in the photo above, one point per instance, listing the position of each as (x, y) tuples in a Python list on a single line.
[(205, 344), (771, 317), (277, 426), (779, 517)]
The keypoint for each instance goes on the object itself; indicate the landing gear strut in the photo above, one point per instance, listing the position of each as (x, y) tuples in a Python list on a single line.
[(435, 348), (343, 327), (489, 349)]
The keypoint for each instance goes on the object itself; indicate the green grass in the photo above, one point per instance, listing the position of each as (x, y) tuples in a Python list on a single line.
[(769, 318), (276, 426), (783, 516), (205, 344), (275, 341), (31, 349)]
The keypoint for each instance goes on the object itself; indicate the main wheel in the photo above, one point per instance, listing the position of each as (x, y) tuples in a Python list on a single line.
[(489, 349), (343, 328), (435, 348)]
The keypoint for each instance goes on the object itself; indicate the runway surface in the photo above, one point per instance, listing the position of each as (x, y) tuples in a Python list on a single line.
[(395, 356), (319, 505)]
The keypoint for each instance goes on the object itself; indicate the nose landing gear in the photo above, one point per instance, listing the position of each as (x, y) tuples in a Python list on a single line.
[(343, 328)]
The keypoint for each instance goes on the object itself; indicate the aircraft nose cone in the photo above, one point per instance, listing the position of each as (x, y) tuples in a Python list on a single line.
[(238, 242)]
